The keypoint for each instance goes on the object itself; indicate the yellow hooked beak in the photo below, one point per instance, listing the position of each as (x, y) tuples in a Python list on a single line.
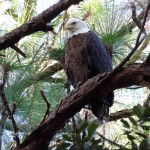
[(67, 27)]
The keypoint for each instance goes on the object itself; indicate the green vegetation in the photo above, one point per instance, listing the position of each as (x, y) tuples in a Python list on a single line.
[(27, 77)]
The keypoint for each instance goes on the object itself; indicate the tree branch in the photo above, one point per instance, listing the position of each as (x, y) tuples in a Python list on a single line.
[(110, 141), (47, 104), (6, 69), (36, 24), (132, 75), (18, 50), (120, 114)]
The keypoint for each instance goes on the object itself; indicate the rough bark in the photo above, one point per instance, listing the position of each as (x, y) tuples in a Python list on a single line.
[(132, 75), (36, 24)]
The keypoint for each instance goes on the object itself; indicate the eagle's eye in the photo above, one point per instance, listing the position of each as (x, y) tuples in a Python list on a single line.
[(73, 23)]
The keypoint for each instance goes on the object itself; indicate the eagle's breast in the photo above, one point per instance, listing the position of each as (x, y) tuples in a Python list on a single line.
[(76, 60)]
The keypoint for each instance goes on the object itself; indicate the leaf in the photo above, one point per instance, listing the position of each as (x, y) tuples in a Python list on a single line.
[(143, 145), (91, 129), (147, 112), (83, 127), (95, 142), (66, 137), (127, 132), (139, 111), (130, 137), (145, 127), (99, 147), (134, 146), (133, 121), (125, 123), (78, 138), (141, 135), (86, 146), (123, 148)]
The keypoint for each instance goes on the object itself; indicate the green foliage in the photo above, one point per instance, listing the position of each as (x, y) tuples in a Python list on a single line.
[(57, 54), (83, 139), (111, 26), (23, 85), (137, 129)]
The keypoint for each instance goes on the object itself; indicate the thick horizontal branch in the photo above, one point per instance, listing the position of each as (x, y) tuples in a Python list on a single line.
[(36, 24), (120, 114), (132, 75)]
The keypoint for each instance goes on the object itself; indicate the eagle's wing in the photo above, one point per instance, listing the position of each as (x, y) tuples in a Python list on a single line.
[(99, 61)]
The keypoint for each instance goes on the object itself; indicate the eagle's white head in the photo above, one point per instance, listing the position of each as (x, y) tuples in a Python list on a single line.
[(76, 26)]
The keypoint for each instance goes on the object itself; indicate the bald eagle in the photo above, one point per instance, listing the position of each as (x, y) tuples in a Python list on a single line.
[(85, 57)]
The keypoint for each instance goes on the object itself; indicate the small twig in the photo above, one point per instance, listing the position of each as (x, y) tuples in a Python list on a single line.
[(47, 104), (110, 141), (134, 16), (6, 105), (86, 115), (84, 132), (74, 124), (18, 50)]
